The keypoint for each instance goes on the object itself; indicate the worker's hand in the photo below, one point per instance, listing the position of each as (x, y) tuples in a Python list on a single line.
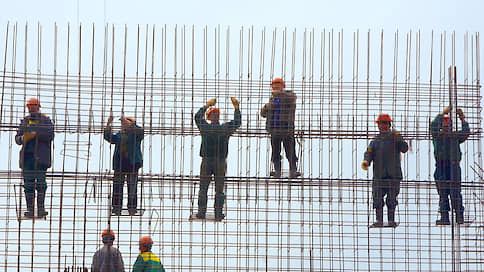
[(364, 165), (28, 136), (235, 102), (110, 120), (211, 102), (446, 110), (461, 114)]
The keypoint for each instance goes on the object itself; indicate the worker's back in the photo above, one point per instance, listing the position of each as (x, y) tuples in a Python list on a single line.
[(107, 259)]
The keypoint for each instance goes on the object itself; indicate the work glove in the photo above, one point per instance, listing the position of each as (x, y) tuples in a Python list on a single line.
[(211, 102), (461, 114), (28, 136), (364, 165), (110, 120), (235, 102)]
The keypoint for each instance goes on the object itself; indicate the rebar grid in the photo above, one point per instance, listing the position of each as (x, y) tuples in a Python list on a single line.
[(162, 75)]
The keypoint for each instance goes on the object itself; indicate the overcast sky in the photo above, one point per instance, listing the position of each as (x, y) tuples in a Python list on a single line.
[(375, 14)]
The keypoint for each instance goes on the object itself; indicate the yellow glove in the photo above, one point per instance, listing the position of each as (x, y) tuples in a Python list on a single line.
[(235, 102), (28, 136), (364, 165), (211, 102)]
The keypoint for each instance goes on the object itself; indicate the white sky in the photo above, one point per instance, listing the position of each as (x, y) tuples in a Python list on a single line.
[(375, 14)]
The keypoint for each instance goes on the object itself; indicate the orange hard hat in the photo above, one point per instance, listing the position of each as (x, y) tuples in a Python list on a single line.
[(213, 110), (278, 80), (33, 102), (383, 118), (145, 243), (131, 119), (108, 235)]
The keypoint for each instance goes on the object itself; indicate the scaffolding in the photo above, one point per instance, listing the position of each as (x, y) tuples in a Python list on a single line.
[(161, 76)]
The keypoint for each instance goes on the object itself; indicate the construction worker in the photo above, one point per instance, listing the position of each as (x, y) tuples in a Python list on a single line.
[(447, 155), (214, 150), (127, 160), (384, 151), (280, 114), (147, 261), (107, 258), (35, 134)]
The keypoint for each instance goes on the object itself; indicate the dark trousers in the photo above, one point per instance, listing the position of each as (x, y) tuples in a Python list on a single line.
[(130, 174), (34, 179), (289, 146), (448, 181), (386, 186), (217, 168)]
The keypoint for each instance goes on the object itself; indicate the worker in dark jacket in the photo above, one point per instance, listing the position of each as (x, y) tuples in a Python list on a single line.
[(147, 261), (107, 258), (384, 151), (447, 164), (35, 134), (280, 114), (214, 150), (127, 160)]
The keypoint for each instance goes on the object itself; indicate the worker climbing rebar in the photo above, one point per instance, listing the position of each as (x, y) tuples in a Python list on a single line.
[(384, 151), (280, 114), (447, 156), (127, 160), (214, 151), (35, 134)]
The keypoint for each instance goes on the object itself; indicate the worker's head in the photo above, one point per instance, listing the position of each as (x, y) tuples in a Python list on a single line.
[(33, 105), (278, 85), (127, 122), (384, 122), (446, 122), (213, 114), (108, 236), (145, 243)]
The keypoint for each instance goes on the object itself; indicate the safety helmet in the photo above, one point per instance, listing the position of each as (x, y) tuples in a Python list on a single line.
[(108, 236), (145, 243), (213, 110), (131, 119), (278, 80), (33, 102), (383, 118)]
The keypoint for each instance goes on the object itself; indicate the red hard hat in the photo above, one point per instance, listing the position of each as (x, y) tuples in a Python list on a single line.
[(383, 118), (108, 233), (278, 80), (145, 241), (33, 102), (211, 110), (131, 119)]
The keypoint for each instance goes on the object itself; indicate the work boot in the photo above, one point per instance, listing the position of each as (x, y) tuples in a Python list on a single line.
[(277, 169), (294, 174), (444, 219), (132, 212), (391, 218), (379, 218), (219, 206), (41, 212), (116, 211), (459, 217), (30, 205)]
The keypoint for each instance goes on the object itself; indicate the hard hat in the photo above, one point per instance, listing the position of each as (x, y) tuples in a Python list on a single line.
[(108, 235), (211, 110), (33, 102), (279, 80), (383, 118), (131, 119), (146, 241)]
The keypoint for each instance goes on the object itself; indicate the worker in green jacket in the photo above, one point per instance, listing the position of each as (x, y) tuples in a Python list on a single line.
[(214, 150), (447, 155), (147, 261), (384, 151)]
